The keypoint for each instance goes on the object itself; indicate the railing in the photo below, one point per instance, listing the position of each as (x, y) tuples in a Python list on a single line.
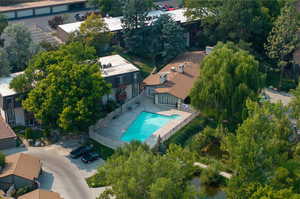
[(179, 126)]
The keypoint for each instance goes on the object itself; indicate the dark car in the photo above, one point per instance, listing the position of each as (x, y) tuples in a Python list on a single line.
[(76, 153), (90, 157)]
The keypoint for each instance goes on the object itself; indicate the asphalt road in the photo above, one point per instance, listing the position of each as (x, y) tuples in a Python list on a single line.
[(61, 175)]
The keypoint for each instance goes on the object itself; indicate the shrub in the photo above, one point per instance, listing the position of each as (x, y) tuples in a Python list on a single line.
[(55, 21), (211, 177), (97, 180), (34, 134), (2, 159)]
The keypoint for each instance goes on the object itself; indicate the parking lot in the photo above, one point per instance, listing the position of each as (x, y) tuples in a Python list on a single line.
[(61, 173)]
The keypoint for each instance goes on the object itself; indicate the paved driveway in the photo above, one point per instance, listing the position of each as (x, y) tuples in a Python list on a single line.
[(62, 174)]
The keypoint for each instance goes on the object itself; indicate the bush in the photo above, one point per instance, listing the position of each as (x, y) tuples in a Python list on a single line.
[(2, 159), (182, 136), (33, 134), (211, 177), (97, 180), (55, 21)]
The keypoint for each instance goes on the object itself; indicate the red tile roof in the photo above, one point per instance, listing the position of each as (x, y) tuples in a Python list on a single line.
[(178, 84), (5, 130)]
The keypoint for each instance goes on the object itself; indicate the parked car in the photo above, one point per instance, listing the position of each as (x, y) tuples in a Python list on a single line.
[(90, 157), (79, 17), (76, 153)]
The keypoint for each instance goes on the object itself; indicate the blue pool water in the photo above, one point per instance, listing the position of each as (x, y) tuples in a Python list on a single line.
[(145, 125)]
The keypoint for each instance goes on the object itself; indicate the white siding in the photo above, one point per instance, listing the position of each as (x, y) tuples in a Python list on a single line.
[(166, 99), (42, 11), (20, 116), (129, 91), (9, 15), (25, 13), (63, 8)]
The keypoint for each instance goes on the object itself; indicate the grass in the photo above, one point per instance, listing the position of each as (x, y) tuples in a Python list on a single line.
[(104, 151), (183, 136)]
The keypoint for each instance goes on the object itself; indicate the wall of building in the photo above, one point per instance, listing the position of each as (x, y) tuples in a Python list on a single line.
[(6, 182), (22, 182), (166, 99), (20, 116), (8, 143)]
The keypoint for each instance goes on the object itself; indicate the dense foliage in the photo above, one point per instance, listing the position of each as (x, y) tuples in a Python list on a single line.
[(260, 152), (135, 172), (95, 33), (283, 39), (64, 91), (228, 77), (18, 45), (111, 8), (4, 64), (236, 20)]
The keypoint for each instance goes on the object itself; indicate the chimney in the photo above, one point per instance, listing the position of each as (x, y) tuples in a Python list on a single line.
[(163, 77), (181, 68)]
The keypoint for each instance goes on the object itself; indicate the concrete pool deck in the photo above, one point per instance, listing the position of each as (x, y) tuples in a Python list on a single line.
[(113, 129)]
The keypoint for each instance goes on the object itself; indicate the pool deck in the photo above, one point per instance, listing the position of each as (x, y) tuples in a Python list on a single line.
[(115, 128)]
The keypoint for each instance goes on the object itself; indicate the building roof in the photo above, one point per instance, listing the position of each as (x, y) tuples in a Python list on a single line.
[(22, 165), (115, 24), (41, 194), (119, 65), (178, 84), (4, 84), (5, 130), (37, 4)]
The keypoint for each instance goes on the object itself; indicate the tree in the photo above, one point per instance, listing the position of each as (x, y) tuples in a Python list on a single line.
[(113, 8), (68, 97), (167, 39), (261, 145), (235, 20), (283, 39), (4, 64), (2, 160), (268, 192), (134, 24), (96, 33), (228, 77), (3, 23), (18, 45), (75, 52), (141, 174)]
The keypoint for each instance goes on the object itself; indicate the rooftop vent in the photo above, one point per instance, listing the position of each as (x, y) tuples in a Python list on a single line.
[(181, 68), (173, 69), (106, 65), (163, 77)]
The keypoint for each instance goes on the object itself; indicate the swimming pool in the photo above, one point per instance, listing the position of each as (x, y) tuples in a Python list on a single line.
[(145, 125)]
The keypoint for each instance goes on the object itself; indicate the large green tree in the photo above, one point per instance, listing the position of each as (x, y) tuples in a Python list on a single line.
[(283, 39), (234, 20), (76, 52), (68, 97), (166, 39), (259, 148), (4, 64), (228, 77), (112, 8), (3, 23), (63, 90), (135, 172), (95, 33), (134, 24), (18, 45)]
